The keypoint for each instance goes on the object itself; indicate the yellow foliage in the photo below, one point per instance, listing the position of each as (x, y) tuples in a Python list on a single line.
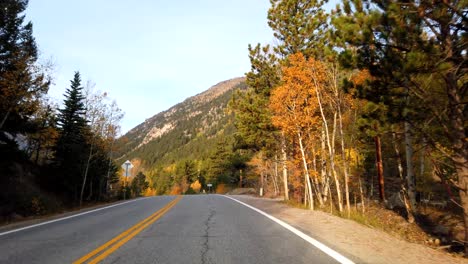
[(354, 156), (170, 168), (196, 186), (150, 192)]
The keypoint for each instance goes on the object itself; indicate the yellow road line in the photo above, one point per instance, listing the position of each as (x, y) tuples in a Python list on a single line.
[(126, 235), (115, 239)]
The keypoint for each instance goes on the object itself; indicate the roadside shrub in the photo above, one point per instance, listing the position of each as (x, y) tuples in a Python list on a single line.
[(190, 191)]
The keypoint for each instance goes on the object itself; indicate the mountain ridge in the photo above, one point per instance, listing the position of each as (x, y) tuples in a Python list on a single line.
[(198, 116)]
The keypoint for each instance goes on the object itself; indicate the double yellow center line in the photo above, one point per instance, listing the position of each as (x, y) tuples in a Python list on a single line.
[(112, 245)]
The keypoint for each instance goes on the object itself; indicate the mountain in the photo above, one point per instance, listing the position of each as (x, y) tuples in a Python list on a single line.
[(188, 130)]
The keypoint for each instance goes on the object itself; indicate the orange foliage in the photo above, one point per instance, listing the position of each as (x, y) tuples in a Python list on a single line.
[(361, 77), (196, 186), (176, 190), (294, 104), (149, 192), (221, 188)]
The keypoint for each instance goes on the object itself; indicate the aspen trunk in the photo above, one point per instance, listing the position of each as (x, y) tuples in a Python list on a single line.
[(330, 151), (409, 167), (275, 179), (331, 147), (422, 159), (261, 184), (307, 176), (323, 167), (305, 192), (345, 164), (86, 173), (331, 200), (285, 167), (397, 152), (409, 210), (316, 184), (379, 165), (311, 194), (362, 196)]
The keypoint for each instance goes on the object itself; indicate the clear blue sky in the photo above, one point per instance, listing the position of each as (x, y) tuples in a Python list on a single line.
[(148, 54)]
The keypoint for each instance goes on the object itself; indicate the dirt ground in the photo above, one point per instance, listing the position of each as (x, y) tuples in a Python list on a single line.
[(360, 243)]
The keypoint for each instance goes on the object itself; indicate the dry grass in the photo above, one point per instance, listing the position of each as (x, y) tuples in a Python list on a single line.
[(378, 217)]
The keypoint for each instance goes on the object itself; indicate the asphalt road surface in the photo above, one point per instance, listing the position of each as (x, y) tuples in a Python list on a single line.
[(164, 229)]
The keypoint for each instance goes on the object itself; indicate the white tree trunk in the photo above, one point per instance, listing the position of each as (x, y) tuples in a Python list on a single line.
[(307, 186), (411, 181), (86, 173), (324, 177), (316, 184), (330, 150), (345, 163), (275, 179), (285, 167), (409, 210)]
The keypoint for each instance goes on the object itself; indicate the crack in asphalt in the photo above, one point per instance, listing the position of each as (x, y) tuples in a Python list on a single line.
[(204, 258)]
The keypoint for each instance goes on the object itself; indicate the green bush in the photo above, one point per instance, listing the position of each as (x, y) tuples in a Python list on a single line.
[(190, 191)]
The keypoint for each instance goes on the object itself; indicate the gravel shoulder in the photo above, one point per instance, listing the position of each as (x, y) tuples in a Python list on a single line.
[(365, 244)]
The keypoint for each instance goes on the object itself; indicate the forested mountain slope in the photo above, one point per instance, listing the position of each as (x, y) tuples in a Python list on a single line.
[(188, 130)]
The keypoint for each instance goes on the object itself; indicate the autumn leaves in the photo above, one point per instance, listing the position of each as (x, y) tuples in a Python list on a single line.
[(294, 104), (300, 108)]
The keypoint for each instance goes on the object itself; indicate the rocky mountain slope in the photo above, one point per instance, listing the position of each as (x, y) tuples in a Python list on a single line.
[(187, 130)]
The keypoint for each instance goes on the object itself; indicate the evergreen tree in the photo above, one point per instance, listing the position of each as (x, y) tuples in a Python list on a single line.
[(217, 163), (253, 118), (415, 52), (71, 148), (186, 171), (22, 81), (139, 184), (300, 26)]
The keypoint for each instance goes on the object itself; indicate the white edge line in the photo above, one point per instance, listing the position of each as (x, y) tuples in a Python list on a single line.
[(68, 217), (332, 253)]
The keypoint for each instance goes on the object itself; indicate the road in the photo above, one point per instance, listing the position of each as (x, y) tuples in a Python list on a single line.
[(163, 229)]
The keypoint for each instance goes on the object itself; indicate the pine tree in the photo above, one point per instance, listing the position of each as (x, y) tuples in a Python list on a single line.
[(253, 118), (71, 148), (139, 184), (217, 163), (300, 26), (186, 171), (22, 81), (415, 52)]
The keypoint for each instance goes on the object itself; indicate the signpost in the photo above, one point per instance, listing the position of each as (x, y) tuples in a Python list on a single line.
[(209, 186), (127, 166)]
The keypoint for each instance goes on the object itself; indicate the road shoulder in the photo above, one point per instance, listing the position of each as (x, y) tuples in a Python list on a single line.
[(350, 238), (6, 227)]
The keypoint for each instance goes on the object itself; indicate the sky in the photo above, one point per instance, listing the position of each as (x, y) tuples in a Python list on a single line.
[(148, 55)]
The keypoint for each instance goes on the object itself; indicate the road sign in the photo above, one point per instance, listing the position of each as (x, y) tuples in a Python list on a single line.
[(209, 185), (127, 165)]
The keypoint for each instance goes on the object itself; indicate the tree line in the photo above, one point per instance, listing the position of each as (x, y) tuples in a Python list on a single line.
[(366, 100), (221, 166), (52, 156)]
